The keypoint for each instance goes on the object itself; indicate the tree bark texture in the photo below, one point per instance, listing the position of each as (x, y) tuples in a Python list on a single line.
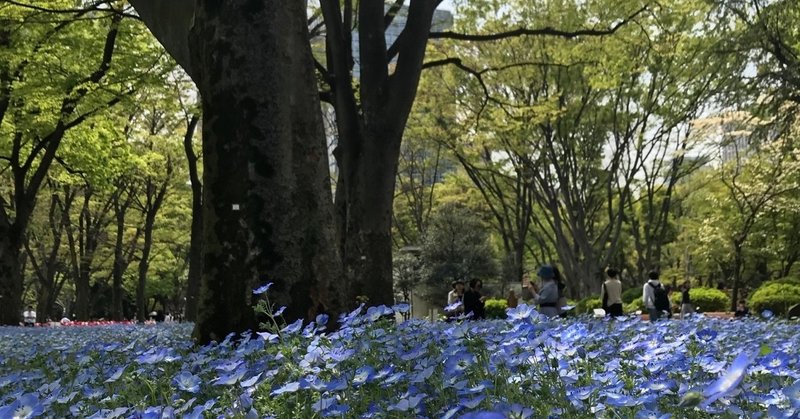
[(267, 214), (370, 131)]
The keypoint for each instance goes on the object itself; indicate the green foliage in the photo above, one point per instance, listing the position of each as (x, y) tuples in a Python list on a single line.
[(631, 294), (588, 304), (408, 272), (775, 296), (496, 308), (457, 246), (636, 305), (709, 299), (782, 281)]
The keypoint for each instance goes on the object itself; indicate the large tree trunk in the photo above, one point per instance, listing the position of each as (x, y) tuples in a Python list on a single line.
[(267, 202), (370, 131), (11, 278), (196, 240), (365, 220)]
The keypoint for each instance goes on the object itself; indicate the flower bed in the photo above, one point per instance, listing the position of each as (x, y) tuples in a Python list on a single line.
[(525, 366)]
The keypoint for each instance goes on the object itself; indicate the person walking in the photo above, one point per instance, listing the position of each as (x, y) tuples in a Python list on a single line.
[(687, 307), (611, 294), (547, 297), (654, 297), (29, 317)]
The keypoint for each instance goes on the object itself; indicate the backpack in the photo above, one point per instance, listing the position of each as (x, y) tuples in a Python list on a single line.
[(661, 299)]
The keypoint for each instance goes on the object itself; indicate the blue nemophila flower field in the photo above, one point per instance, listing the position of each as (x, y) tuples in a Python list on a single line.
[(524, 367)]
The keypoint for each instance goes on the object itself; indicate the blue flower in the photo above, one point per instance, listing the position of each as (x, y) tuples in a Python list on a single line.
[(186, 381), (474, 402), (483, 415), (620, 400), (338, 384), (407, 403), (363, 375), (707, 335), (250, 382), (28, 406), (401, 308), (293, 328), (115, 375), (521, 312), (767, 314), (793, 394), (776, 360), (458, 363), (262, 289), (323, 404), (729, 380), (286, 388)]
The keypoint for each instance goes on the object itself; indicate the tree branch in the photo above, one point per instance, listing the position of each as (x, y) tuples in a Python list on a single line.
[(546, 31)]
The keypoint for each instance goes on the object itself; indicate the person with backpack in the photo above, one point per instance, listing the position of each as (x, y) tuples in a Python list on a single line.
[(655, 297), (611, 294)]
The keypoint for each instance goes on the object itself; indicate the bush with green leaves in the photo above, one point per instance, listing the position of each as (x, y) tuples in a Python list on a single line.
[(636, 305), (631, 294), (787, 281), (776, 297), (588, 304), (496, 308), (709, 299)]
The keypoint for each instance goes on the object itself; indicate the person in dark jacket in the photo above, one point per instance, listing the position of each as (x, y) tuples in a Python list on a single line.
[(473, 300)]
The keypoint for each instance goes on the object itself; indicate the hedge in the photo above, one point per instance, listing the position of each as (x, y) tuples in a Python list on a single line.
[(776, 297), (709, 299), (496, 308), (631, 294)]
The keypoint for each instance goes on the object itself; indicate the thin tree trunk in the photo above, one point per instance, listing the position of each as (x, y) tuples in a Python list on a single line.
[(196, 240), (119, 262), (144, 266)]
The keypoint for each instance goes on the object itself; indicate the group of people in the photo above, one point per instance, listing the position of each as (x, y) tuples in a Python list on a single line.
[(655, 296), (467, 301), (549, 297)]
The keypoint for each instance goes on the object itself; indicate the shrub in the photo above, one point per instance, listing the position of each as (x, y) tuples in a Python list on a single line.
[(710, 299), (496, 308), (784, 281), (636, 305), (588, 304), (631, 294), (777, 297)]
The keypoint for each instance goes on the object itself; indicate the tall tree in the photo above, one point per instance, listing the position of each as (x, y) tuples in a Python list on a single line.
[(369, 129), (570, 124), (268, 212), (43, 247), (33, 126)]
